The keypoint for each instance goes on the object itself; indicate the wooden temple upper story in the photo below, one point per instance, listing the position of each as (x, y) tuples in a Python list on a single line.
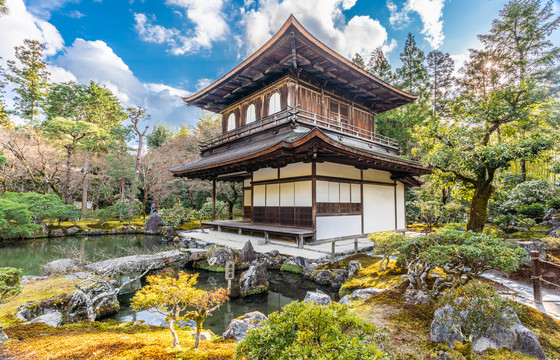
[(294, 76)]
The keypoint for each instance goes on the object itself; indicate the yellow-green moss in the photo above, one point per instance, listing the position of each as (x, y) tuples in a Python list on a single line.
[(365, 260), (371, 276), (37, 291), (291, 268), (207, 267)]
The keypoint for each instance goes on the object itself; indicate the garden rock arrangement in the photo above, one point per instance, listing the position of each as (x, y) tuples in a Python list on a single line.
[(254, 281), (515, 337), (360, 294), (317, 298), (53, 319), (238, 328), (154, 224)]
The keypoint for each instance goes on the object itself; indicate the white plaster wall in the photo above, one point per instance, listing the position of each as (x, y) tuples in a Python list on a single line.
[(247, 182), (259, 195), (265, 174), (295, 169), (356, 193), (334, 192), (303, 193), (344, 192), (273, 195), (377, 175), (401, 211), (247, 198), (322, 188), (287, 194), (336, 226), (338, 170), (379, 208)]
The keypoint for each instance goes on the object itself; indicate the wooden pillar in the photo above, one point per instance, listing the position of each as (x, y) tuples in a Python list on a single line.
[(333, 251), (300, 241), (536, 276), (214, 199), (266, 241), (355, 246)]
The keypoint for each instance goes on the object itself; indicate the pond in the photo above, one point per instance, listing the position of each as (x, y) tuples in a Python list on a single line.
[(30, 255)]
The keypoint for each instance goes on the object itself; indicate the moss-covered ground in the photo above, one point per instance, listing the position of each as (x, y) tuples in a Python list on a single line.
[(37, 291), (372, 276), (139, 223), (107, 340)]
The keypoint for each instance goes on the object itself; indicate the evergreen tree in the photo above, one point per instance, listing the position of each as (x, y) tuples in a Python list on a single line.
[(440, 71), (519, 46), (4, 121), (30, 80), (159, 135), (358, 60), (412, 75), (379, 66)]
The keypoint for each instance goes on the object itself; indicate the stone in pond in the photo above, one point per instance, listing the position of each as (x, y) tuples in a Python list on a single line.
[(154, 224), (254, 281), (247, 253)]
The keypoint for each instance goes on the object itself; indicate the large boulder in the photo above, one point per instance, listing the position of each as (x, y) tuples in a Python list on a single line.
[(238, 328), (317, 298), (324, 277), (298, 261), (56, 233), (61, 266), (247, 253), (340, 276), (106, 304), (515, 337), (309, 270), (97, 232), (72, 231), (53, 319), (416, 297), (154, 224), (138, 263), (169, 233), (219, 257), (254, 281)]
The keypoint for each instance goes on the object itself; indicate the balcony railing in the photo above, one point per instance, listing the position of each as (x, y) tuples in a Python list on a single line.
[(306, 117)]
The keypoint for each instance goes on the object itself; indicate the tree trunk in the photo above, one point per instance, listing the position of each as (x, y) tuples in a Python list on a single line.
[(523, 172), (198, 329), (136, 175), (68, 174), (85, 182), (171, 323), (479, 207)]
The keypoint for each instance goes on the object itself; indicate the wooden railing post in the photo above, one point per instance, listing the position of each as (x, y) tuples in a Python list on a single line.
[(333, 251), (536, 276), (356, 246)]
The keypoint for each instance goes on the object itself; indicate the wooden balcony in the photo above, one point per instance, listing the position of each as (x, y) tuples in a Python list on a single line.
[(294, 114)]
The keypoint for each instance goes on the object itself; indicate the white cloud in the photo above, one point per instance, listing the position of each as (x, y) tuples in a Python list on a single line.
[(95, 60), (206, 25), (44, 8), (20, 24), (153, 33), (324, 19), (59, 75), (202, 83), (430, 12), (387, 48), (75, 14)]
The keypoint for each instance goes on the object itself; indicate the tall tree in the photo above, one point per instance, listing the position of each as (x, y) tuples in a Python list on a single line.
[(4, 120), (69, 133), (412, 74), (440, 71), (30, 79), (159, 135), (379, 66), (136, 115), (520, 47), (358, 60)]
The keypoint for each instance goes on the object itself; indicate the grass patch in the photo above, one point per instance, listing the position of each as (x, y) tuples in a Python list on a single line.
[(291, 268), (372, 276), (107, 340), (365, 260), (207, 267), (37, 291)]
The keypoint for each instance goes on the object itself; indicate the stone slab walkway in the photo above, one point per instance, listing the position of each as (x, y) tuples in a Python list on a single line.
[(287, 248), (524, 294)]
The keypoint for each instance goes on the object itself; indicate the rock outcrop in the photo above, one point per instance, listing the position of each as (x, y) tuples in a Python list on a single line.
[(138, 263), (360, 294), (247, 253), (3, 336), (353, 267), (515, 337), (61, 266), (56, 233), (238, 328), (317, 298), (53, 319), (254, 281), (154, 224), (219, 257), (72, 231)]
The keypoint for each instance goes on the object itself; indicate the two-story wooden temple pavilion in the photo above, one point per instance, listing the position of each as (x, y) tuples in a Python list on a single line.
[(298, 125)]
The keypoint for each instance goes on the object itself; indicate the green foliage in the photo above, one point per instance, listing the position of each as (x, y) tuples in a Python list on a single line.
[(29, 76), (44, 207), (430, 213), (530, 192), (386, 244), (379, 66), (10, 283), (478, 308), (310, 331), (117, 211), (176, 215), (159, 135), (15, 220), (205, 211), (555, 204), (533, 211), (461, 255)]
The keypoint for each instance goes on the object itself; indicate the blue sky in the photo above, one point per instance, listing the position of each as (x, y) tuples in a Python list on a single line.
[(152, 52)]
